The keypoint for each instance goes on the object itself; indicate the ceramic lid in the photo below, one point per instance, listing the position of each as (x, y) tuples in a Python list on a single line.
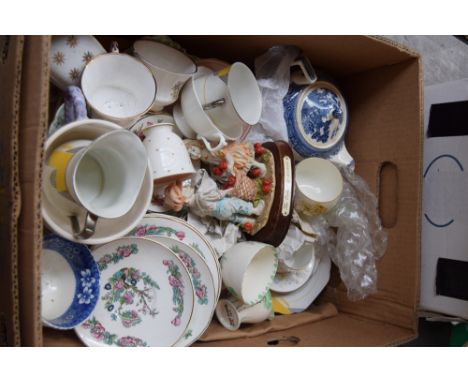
[(321, 115)]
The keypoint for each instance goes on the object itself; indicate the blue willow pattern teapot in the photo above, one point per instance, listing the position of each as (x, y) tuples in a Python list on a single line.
[(316, 116)]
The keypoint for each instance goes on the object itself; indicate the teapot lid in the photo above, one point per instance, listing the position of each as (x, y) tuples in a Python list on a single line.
[(322, 115)]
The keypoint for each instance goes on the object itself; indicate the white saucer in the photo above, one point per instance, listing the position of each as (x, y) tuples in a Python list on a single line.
[(53, 212), (146, 296), (300, 299), (290, 281)]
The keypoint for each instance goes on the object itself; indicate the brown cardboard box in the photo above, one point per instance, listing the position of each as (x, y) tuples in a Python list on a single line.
[(382, 84)]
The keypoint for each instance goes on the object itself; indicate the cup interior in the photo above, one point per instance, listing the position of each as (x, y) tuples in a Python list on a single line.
[(302, 257), (118, 85), (259, 274), (58, 285), (245, 93), (109, 175), (319, 180), (164, 57), (69, 283)]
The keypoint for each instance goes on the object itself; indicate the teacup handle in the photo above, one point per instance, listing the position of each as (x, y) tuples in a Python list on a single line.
[(75, 105), (219, 146), (89, 226), (307, 69)]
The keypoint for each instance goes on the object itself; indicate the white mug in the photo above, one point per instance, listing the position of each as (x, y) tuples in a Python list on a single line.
[(319, 185), (105, 177), (248, 269), (167, 154), (118, 88), (193, 120), (231, 97), (170, 67), (231, 313)]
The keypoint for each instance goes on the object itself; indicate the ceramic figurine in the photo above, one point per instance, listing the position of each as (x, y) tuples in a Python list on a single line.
[(237, 155), (208, 200)]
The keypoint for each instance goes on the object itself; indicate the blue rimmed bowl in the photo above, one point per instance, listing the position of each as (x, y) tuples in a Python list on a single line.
[(316, 116), (69, 283)]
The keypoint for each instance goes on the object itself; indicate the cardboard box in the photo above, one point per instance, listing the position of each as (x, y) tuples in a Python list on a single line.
[(444, 264), (382, 84)]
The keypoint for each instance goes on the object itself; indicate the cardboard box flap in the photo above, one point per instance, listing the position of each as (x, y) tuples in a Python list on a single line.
[(340, 55), (11, 51), (33, 127)]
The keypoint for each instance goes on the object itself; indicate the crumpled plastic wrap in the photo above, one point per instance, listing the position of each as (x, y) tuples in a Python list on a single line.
[(360, 239), (272, 70)]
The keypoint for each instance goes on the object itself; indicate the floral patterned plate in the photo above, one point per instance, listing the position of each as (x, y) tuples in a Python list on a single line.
[(169, 226), (146, 296), (205, 292)]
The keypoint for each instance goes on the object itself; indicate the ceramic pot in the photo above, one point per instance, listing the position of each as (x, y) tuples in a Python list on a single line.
[(167, 154), (316, 117)]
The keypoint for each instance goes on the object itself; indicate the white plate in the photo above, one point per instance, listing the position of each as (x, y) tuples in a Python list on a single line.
[(300, 299), (203, 284), (146, 296), (290, 281), (169, 226)]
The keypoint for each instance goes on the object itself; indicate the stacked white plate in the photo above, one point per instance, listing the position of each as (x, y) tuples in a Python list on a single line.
[(159, 286)]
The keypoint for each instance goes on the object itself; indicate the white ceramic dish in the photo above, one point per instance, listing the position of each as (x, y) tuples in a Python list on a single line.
[(170, 67), (53, 210), (290, 281), (203, 284), (248, 269), (300, 299), (118, 88), (69, 55), (146, 296), (169, 226), (69, 283)]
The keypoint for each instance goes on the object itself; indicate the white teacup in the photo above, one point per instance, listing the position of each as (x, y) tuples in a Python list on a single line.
[(168, 156), (319, 185), (300, 260), (231, 97), (170, 67), (193, 120), (106, 176), (118, 88), (248, 269), (231, 313)]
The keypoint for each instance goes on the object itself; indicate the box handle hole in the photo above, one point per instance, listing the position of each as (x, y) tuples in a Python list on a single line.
[(388, 194), (284, 341)]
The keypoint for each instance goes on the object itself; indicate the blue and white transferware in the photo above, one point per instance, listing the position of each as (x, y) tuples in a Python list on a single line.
[(70, 283), (316, 116)]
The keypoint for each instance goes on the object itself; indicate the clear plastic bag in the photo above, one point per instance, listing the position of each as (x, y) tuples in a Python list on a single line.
[(360, 239), (272, 70)]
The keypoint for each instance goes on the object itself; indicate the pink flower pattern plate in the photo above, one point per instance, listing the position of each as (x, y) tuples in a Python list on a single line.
[(146, 296)]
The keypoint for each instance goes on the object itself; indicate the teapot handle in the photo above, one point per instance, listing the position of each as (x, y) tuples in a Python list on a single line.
[(308, 71)]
